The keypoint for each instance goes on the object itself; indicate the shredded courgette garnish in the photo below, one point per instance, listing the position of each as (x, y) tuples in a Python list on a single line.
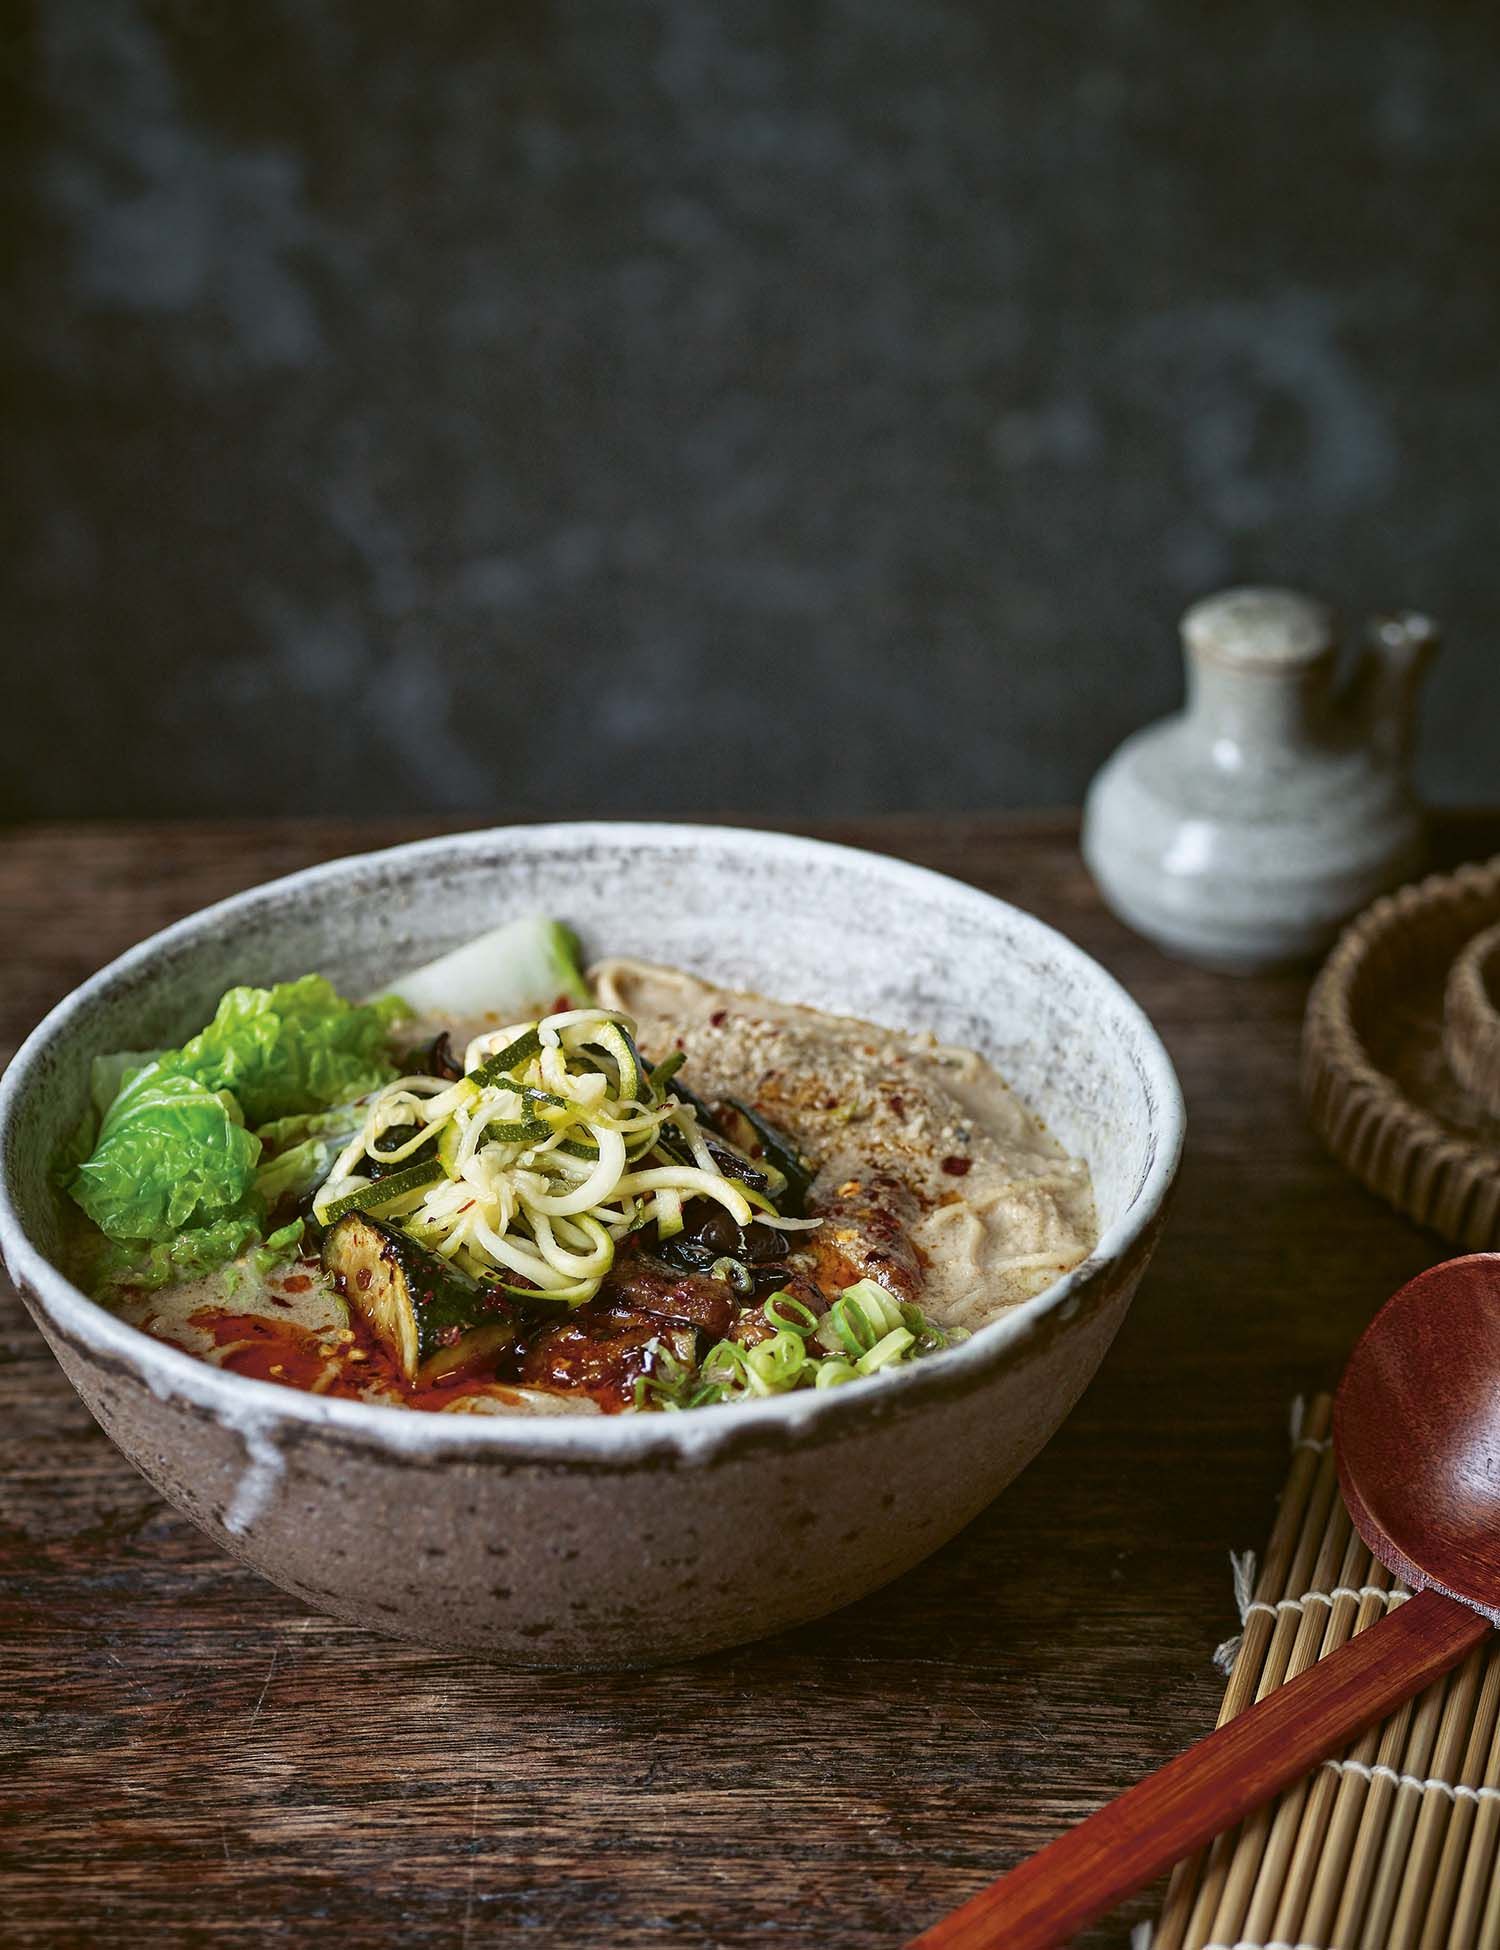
[(555, 1144)]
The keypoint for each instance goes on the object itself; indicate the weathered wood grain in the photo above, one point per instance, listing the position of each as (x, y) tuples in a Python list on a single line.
[(186, 1755)]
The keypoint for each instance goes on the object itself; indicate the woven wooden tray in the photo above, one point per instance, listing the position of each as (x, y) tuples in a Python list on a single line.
[(1391, 1846), (1378, 1084)]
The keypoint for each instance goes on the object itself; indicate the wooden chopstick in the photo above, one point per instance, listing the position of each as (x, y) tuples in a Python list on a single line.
[(1392, 1846)]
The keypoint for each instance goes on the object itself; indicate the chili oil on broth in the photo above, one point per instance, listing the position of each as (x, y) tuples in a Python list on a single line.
[(288, 1324), (996, 1209)]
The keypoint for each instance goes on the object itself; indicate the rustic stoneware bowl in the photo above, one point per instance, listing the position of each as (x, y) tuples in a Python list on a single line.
[(621, 1540)]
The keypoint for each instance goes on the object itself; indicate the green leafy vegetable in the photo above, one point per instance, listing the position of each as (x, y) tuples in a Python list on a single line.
[(172, 1155), (291, 1049), (296, 1172), (300, 1151), (187, 1255), (282, 1133), (280, 1245), (172, 1177), (108, 1076)]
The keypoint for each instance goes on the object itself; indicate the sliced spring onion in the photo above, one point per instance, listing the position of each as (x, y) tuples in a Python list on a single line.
[(862, 1315), (784, 1309), (886, 1351), (776, 1364), (735, 1271)]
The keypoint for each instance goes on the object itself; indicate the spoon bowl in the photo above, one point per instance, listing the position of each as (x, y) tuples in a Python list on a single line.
[(1416, 1430)]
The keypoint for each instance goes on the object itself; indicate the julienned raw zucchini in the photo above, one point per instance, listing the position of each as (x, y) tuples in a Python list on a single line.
[(434, 1319), (383, 1191)]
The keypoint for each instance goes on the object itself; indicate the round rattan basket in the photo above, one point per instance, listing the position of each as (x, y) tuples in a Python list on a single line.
[(1377, 1083)]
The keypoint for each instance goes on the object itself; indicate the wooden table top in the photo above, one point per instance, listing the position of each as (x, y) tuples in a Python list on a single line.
[(185, 1751)]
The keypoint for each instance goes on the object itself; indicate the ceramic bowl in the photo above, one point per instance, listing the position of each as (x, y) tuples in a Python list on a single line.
[(619, 1540)]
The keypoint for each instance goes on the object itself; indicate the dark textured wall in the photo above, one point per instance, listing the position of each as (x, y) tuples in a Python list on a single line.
[(659, 404)]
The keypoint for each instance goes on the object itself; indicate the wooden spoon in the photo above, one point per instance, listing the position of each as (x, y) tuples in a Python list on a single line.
[(1416, 1432)]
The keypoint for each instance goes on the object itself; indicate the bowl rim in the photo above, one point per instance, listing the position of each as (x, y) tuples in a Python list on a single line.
[(242, 1402)]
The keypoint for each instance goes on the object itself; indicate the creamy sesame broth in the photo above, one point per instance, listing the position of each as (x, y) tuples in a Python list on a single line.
[(634, 1191), (996, 1210)]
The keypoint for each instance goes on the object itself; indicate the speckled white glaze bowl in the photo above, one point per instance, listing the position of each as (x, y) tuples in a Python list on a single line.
[(620, 1540)]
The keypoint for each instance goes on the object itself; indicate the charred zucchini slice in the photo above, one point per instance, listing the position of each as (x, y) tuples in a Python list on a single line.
[(434, 1319)]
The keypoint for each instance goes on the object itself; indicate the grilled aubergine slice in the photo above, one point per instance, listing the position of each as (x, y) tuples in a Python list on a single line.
[(434, 1320)]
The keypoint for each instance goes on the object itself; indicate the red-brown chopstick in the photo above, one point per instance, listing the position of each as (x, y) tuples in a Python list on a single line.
[(1075, 1879)]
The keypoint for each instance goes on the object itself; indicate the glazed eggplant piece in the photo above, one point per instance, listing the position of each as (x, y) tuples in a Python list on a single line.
[(866, 1235), (432, 1317), (649, 1285), (602, 1351)]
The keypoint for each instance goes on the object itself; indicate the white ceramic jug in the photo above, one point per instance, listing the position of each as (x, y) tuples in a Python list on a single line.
[(1244, 831)]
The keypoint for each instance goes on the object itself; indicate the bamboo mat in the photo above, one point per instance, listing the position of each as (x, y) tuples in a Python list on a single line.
[(1392, 1846)]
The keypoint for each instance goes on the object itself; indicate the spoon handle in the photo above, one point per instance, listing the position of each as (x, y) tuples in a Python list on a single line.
[(1214, 1784)]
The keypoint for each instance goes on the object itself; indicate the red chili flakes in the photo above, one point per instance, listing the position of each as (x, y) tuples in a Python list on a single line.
[(719, 1018), (957, 1167), (898, 1106)]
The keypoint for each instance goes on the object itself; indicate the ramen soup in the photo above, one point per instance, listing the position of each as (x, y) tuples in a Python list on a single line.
[(505, 1188)]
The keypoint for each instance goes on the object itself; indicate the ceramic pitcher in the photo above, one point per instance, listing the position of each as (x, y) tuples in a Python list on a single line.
[(1244, 831)]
